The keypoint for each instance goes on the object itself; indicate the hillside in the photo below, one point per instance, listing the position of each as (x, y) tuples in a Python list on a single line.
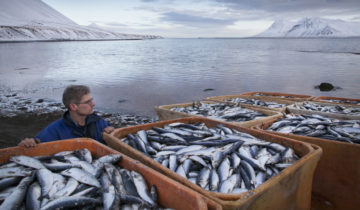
[(312, 27), (32, 20)]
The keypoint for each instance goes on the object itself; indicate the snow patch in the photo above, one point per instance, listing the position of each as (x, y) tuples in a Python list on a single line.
[(33, 20), (312, 27)]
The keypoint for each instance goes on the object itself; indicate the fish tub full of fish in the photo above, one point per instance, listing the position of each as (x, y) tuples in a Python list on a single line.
[(337, 100), (337, 177), (276, 104), (339, 111), (82, 173), (235, 166), (219, 111), (287, 96)]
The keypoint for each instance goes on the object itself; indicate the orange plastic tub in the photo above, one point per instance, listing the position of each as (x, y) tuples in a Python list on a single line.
[(261, 98), (346, 101), (164, 113), (337, 176), (287, 96), (170, 193), (290, 189), (295, 110)]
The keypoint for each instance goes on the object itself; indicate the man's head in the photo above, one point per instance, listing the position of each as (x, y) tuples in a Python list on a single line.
[(78, 98)]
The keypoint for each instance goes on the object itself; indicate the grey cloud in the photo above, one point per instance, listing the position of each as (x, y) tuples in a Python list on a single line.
[(176, 17), (291, 5)]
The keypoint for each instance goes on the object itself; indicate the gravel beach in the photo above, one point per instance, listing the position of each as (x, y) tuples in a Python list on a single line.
[(22, 117)]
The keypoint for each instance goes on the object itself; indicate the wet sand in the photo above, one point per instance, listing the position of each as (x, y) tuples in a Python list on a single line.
[(24, 117), (14, 129)]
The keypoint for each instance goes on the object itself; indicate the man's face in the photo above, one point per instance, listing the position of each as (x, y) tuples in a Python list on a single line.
[(86, 105)]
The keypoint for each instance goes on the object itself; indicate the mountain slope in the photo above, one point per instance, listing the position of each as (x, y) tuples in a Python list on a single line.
[(312, 27), (28, 20)]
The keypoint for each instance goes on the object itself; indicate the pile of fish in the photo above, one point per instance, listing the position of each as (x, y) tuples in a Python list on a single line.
[(256, 102), (338, 109), (217, 159), (72, 179), (342, 101), (319, 126), (222, 111), (120, 120), (279, 96)]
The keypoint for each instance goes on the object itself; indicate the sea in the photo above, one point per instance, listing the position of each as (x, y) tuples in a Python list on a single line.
[(134, 76)]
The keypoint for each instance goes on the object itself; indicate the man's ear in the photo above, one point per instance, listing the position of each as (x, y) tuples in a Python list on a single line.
[(72, 107)]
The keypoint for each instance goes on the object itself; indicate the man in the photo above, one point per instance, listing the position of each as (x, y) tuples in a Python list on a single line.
[(78, 121)]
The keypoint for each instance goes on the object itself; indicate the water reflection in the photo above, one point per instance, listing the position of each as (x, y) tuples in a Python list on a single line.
[(154, 72)]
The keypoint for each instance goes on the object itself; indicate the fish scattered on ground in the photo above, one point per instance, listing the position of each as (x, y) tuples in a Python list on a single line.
[(85, 182), (221, 111), (217, 159), (319, 126)]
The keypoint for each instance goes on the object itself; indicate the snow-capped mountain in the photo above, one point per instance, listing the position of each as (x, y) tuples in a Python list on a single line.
[(312, 27), (28, 20)]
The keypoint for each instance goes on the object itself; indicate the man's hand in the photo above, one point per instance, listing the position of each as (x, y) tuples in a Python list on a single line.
[(28, 142), (109, 129)]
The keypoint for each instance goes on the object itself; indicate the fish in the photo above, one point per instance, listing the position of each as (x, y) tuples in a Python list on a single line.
[(27, 161), (214, 180), (46, 180), (222, 111), (33, 196), (141, 187), (15, 171), (81, 176), (15, 199), (32, 188), (108, 193), (229, 184), (216, 153), (203, 178), (256, 102), (68, 189), (329, 108), (321, 127), (71, 202), (84, 154), (9, 181)]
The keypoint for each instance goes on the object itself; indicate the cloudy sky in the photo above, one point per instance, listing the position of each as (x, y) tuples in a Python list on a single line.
[(200, 18)]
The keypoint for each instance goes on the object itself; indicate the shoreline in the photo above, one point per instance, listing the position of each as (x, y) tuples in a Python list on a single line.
[(22, 117)]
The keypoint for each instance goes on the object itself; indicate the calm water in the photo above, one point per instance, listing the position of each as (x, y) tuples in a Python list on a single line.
[(134, 76)]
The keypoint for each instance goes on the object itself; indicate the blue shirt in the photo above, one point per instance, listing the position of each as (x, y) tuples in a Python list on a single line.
[(65, 128)]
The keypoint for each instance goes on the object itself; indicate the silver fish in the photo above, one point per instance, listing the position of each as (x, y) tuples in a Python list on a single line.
[(46, 179), (172, 162), (224, 170), (81, 176), (71, 202), (33, 197), (229, 184), (141, 187), (27, 161), (180, 170), (15, 171), (14, 201), (68, 189), (108, 194), (203, 178), (214, 180)]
